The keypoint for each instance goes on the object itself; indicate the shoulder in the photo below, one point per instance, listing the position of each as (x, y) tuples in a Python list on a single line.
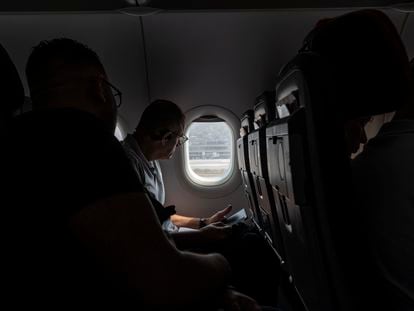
[(128, 145)]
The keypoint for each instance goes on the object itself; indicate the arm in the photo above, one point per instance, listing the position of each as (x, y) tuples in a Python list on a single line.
[(184, 221), (201, 238), (125, 235), (194, 222)]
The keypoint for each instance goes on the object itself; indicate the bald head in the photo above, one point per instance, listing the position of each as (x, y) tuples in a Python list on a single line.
[(160, 117)]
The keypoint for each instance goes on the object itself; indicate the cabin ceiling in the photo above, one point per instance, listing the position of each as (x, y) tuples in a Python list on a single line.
[(109, 5), (266, 4)]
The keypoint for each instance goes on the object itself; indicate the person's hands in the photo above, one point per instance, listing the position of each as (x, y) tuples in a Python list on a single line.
[(235, 301), (219, 216), (216, 231)]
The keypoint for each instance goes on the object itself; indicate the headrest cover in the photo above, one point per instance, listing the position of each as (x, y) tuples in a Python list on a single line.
[(246, 122), (11, 87), (368, 59), (264, 109)]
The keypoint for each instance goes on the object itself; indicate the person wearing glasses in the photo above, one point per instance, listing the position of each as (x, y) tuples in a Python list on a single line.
[(74, 235), (159, 132), (156, 137)]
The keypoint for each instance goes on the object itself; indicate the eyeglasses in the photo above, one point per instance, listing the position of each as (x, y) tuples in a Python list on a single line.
[(181, 138), (117, 94)]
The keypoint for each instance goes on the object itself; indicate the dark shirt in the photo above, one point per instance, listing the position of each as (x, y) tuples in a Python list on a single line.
[(383, 177), (54, 163)]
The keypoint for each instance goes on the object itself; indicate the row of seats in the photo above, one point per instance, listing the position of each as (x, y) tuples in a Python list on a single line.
[(296, 176), (279, 159)]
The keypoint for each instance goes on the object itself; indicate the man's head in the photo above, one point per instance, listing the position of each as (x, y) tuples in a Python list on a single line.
[(63, 73), (160, 129), (368, 60), (368, 67)]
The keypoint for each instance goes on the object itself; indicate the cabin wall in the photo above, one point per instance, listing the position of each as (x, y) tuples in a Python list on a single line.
[(224, 59), (115, 37), (408, 35), (214, 58)]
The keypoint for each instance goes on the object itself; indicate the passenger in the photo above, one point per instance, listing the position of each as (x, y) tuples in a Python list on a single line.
[(371, 64), (76, 235), (383, 177), (158, 134)]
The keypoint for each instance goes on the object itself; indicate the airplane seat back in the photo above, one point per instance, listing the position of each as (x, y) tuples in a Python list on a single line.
[(263, 114), (264, 110), (350, 67), (12, 98), (244, 167), (247, 126), (247, 122), (309, 174), (11, 87)]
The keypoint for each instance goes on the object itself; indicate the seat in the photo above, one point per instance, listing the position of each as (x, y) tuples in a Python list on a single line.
[(244, 167), (12, 98), (309, 168), (295, 174), (263, 114), (12, 88)]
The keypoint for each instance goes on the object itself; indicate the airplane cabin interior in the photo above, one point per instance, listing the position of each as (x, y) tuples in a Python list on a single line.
[(264, 118)]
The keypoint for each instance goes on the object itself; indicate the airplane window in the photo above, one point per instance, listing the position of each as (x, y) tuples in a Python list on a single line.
[(209, 152)]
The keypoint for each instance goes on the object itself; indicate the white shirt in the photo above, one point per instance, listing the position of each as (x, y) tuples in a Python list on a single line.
[(149, 173)]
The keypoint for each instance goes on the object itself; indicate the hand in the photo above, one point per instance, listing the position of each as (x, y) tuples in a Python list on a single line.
[(219, 216), (235, 301), (216, 231)]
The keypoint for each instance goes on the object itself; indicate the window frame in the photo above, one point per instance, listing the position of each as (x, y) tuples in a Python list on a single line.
[(233, 180), (190, 172)]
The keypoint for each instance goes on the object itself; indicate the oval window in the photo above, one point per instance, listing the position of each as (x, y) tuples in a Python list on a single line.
[(209, 151)]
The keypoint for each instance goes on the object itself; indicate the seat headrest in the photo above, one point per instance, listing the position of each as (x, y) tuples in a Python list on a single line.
[(264, 109), (246, 121), (11, 87), (368, 60)]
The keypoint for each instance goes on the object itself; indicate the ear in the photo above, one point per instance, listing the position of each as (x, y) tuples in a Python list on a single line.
[(166, 138)]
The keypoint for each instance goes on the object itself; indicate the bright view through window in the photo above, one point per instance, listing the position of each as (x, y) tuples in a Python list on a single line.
[(209, 152)]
